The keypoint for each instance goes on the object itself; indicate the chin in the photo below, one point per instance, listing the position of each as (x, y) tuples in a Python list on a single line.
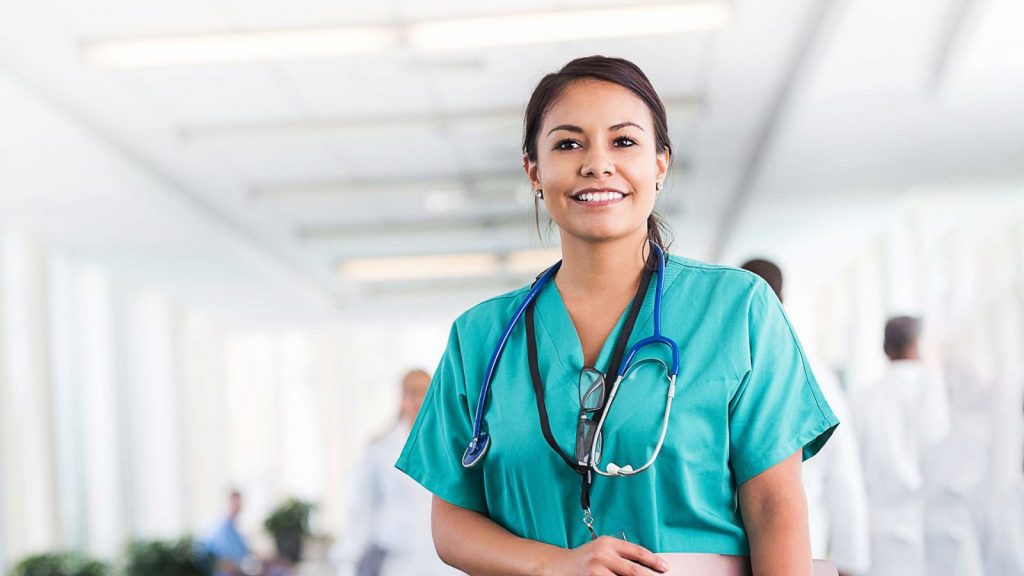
[(598, 235)]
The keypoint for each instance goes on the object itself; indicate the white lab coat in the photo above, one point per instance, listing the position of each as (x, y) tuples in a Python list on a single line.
[(1007, 555), (960, 470), (900, 420), (391, 510), (834, 483)]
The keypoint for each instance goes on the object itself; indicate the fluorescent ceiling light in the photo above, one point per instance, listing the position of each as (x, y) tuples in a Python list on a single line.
[(240, 47), (427, 36), (567, 25)]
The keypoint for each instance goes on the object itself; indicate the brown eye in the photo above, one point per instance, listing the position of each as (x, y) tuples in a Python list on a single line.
[(624, 142), (567, 144)]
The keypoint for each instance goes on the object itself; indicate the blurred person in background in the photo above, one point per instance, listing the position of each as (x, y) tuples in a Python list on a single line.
[(834, 480), (900, 420), (389, 518), (961, 475), (227, 545)]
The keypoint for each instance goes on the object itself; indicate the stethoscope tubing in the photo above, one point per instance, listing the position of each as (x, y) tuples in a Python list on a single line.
[(661, 437), (492, 364), (481, 441)]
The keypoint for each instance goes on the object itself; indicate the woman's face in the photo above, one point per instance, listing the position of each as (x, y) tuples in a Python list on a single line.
[(597, 162)]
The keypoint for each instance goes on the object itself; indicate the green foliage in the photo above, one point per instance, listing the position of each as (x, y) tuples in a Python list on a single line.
[(60, 564), (291, 516), (167, 558)]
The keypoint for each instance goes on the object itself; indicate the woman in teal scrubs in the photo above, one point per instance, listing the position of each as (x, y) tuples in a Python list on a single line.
[(746, 412)]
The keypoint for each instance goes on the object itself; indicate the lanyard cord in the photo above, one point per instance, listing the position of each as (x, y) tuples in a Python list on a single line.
[(538, 386)]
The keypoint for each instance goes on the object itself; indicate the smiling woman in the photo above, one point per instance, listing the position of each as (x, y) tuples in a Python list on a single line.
[(638, 128), (688, 372)]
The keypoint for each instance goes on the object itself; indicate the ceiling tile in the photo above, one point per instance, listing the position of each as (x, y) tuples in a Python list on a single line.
[(259, 161), (413, 10), (209, 95), (101, 19), (265, 14), (993, 47), (393, 150), (350, 89)]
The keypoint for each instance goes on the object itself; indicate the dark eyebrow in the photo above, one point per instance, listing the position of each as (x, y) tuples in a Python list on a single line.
[(578, 130), (624, 124), (567, 127)]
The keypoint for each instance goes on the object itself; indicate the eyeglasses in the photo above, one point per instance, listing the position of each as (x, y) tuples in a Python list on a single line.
[(591, 389), (595, 394)]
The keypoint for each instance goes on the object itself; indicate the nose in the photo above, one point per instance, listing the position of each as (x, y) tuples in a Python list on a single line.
[(597, 163)]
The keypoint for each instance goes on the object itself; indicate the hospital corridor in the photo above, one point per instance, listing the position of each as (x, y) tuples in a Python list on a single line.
[(353, 288)]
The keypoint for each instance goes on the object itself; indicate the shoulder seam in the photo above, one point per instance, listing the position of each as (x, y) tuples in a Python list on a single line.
[(705, 266)]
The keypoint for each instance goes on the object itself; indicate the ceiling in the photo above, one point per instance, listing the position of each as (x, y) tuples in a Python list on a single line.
[(270, 176)]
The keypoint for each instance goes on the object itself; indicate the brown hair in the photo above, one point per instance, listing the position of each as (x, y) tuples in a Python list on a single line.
[(769, 271), (617, 71), (901, 333)]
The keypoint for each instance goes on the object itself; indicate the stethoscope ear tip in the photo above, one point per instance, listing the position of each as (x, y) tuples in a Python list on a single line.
[(616, 470), (476, 450)]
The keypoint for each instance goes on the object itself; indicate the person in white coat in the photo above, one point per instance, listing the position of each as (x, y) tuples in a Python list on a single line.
[(389, 520), (900, 420), (961, 474), (834, 482)]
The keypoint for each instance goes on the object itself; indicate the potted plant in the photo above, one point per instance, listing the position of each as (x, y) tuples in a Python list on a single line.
[(167, 558), (60, 564), (289, 524)]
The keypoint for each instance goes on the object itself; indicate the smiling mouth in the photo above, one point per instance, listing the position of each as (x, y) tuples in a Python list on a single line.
[(598, 196)]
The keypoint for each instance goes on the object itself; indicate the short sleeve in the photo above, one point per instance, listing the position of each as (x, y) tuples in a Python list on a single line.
[(777, 408), (432, 455)]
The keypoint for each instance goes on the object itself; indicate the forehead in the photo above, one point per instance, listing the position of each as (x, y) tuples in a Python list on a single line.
[(596, 104)]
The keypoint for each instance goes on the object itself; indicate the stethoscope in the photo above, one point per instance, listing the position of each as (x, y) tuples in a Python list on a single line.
[(482, 440)]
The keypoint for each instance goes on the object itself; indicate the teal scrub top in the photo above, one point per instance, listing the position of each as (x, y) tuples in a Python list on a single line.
[(745, 400)]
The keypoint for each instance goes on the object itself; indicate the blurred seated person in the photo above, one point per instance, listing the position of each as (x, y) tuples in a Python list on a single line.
[(227, 545)]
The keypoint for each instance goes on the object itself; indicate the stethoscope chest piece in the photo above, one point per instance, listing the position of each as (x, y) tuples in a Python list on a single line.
[(476, 450)]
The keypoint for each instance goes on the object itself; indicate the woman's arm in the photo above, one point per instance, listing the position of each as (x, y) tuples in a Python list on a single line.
[(774, 510), (475, 544)]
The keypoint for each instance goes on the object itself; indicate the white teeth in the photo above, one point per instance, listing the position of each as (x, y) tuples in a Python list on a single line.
[(600, 196)]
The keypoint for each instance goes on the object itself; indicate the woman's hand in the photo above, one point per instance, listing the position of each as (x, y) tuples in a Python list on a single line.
[(605, 556), (475, 544)]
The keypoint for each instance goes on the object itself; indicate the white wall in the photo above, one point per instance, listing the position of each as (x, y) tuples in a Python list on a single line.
[(25, 399), (127, 416)]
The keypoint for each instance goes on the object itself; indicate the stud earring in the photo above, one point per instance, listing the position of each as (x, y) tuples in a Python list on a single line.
[(539, 194), (657, 185)]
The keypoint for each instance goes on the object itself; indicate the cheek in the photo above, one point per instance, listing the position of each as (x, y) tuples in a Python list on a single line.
[(641, 175), (554, 169)]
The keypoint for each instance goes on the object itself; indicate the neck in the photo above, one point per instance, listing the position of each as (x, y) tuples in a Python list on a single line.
[(601, 267)]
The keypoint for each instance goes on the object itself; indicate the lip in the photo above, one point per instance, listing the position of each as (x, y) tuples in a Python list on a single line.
[(594, 203)]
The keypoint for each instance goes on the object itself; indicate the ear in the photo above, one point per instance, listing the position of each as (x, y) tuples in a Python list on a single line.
[(532, 172), (663, 161)]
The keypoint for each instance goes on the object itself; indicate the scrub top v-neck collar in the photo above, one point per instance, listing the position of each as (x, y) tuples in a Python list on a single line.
[(553, 317)]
